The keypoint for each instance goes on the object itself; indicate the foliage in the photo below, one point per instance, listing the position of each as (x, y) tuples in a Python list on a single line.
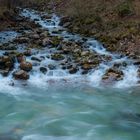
[(124, 9)]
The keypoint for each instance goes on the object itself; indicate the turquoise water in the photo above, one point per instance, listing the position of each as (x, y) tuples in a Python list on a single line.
[(70, 113)]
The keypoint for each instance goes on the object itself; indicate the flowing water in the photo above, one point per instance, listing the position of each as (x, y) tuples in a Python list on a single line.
[(60, 106)]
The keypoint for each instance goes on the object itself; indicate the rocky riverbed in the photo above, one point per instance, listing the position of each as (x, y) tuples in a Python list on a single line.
[(37, 42)]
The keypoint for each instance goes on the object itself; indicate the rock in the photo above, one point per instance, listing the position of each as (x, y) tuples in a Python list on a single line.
[(28, 53), (6, 62), (117, 65), (73, 70), (113, 74), (137, 62), (51, 66), (4, 72), (36, 59), (57, 57), (43, 70), (65, 20), (21, 75), (27, 66), (46, 17), (46, 42), (84, 72), (69, 66), (21, 58), (87, 66), (22, 40), (44, 34), (35, 36)]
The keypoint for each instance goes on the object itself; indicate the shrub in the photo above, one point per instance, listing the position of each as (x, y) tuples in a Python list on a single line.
[(124, 9)]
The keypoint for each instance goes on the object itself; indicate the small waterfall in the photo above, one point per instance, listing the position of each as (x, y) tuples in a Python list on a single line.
[(94, 78), (130, 77)]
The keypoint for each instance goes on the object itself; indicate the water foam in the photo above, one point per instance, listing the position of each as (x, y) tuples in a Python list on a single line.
[(58, 75)]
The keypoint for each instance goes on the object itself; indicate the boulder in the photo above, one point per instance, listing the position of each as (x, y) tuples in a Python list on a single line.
[(51, 66), (73, 70), (137, 62), (46, 41), (21, 75), (35, 36), (43, 70), (6, 62), (26, 66), (4, 72), (28, 53), (21, 58), (22, 40), (34, 58), (113, 74), (57, 57), (87, 66)]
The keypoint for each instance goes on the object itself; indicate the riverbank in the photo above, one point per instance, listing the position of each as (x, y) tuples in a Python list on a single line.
[(114, 23)]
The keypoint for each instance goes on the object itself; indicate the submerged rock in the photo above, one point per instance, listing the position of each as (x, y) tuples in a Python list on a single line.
[(21, 75)]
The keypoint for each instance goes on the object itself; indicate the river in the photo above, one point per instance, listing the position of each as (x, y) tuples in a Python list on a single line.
[(60, 106)]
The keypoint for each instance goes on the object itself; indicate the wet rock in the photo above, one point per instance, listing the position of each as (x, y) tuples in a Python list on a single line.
[(137, 62), (69, 66), (43, 70), (84, 72), (65, 20), (4, 72), (46, 42), (34, 58), (117, 65), (22, 40), (35, 36), (28, 53), (46, 17), (87, 66), (51, 66), (57, 57), (26, 66), (21, 58), (6, 62), (44, 34), (113, 74), (73, 70), (21, 75)]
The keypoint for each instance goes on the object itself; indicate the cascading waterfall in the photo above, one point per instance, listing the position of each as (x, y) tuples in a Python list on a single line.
[(95, 77), (130, 71)]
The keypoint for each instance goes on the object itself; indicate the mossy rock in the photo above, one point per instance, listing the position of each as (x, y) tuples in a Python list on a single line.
[(57, 57)]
